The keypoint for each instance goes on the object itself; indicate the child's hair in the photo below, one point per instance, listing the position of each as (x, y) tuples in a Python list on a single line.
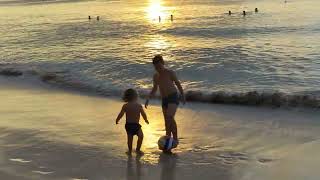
[(129, 95), (157, 59)]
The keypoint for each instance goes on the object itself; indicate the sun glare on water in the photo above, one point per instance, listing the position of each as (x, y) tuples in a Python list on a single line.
[(155, 9)]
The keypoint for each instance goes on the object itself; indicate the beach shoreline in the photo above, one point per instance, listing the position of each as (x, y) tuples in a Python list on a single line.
[(61, 80), (61, 134)]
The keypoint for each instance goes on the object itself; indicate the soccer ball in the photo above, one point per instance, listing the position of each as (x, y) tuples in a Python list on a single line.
[(166, 143)]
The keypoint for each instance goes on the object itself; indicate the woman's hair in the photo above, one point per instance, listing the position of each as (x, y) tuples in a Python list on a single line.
[(129, 95), (157, 59)]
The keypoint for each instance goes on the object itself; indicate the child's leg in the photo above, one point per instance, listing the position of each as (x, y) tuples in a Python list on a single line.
[(170, 113), (130, 139), (140, 139)]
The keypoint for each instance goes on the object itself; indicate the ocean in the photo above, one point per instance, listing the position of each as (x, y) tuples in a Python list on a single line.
[(274, 50)]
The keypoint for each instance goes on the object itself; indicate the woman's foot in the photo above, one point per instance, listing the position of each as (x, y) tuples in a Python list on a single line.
[(175, 143), (167, 151)]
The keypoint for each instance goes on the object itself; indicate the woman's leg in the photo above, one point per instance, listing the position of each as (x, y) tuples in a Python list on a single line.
[(170, 119), (166, 123)]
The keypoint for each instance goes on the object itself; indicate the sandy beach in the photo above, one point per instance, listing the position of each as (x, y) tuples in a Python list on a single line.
[(63, 134)]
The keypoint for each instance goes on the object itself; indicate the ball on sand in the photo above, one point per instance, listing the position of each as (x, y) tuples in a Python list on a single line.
[(166, 143)]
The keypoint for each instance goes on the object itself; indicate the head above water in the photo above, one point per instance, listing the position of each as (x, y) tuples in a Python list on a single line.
[(158, 62), (130, 95)]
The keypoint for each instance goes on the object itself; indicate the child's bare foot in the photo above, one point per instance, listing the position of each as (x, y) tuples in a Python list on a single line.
[(129, 153), (139, 152)]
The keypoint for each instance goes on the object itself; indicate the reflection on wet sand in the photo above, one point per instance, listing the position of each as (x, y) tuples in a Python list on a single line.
[(166, 162), (134, 173), (168, 166)]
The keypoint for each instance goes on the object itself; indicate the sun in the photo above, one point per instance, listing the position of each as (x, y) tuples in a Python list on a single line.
[(155, 9)]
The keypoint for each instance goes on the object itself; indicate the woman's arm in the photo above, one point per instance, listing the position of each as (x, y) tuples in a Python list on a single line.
[(178, 84), (153, 91)]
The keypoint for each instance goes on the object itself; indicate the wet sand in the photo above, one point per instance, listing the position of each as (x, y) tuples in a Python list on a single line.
[(49, 133)]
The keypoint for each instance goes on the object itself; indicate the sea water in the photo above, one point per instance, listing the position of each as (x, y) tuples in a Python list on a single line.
[(276, 49)]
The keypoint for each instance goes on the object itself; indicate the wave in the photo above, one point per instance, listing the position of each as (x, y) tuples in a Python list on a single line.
[(252, 98), (57, 78), (35, 2), (227, 32)]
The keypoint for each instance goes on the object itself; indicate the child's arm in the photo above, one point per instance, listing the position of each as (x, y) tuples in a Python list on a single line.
[(178, 84), (144, 115), (153, 91), (121, 114)]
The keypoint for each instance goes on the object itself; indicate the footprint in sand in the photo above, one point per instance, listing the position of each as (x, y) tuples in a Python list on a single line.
[(212, 147), (240, 156), (265, 160), (202, 148), (19, 160), (202, 163), (42, 172), (233, 156)]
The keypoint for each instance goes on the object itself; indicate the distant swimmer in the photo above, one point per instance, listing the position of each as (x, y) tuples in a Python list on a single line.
[(171, 17), (89, 17), (256, 10), (244, 13), (230, 13), (98, 18)]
